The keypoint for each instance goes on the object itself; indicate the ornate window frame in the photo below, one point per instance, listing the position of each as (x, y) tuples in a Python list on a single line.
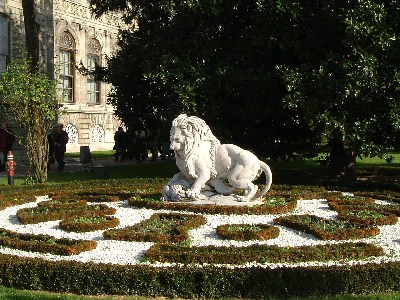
[(5, 42), (66, 63), (73, 135), (93, 59), (97, 134)]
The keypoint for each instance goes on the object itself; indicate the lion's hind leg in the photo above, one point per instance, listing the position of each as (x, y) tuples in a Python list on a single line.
[(241, 178), (221, 187)]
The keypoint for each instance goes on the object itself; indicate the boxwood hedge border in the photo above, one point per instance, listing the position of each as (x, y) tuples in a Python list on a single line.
[(196, 282)]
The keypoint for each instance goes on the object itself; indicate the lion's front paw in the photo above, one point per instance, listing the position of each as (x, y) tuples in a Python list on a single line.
[(192, 194)]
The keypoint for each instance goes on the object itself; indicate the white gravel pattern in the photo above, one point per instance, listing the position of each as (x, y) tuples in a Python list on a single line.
[(130, 253)]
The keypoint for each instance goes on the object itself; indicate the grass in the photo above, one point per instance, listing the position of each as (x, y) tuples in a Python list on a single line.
[(95, 154), (13, 294)]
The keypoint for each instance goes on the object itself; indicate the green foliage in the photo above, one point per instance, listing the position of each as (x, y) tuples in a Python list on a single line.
[(244, 232), (88, 223), (160, 228), (44, 243), (43, 213), (208, 58), (152, 201), (290, 72), (260, 253), (352, 84), (326, 229), (31, 99), (189, 281)]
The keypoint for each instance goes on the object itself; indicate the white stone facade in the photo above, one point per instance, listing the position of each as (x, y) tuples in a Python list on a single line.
[(70, 35)]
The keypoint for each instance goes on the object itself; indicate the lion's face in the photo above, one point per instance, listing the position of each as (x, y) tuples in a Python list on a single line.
[(177, 139)]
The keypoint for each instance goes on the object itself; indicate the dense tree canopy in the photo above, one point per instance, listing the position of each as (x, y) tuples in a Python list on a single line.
[(278, 77)]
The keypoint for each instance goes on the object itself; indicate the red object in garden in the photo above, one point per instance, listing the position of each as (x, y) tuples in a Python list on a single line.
[(10, 167)]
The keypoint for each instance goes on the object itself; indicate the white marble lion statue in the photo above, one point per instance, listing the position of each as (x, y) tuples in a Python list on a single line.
[(205, 164)]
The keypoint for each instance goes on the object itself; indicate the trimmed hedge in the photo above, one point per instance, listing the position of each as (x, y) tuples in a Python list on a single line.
[(286, 204), (197, 282), (160, 228), (44, 243), (87, 223), (326, 229), (260, 253), (390, 208), (245, 232), (381, 195), (43, 214), (368, 218)]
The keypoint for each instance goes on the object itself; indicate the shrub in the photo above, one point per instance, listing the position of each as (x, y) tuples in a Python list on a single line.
[(160, 228), (260, 253), (88, 223), (327, 229), (44, 243), (244, 232)]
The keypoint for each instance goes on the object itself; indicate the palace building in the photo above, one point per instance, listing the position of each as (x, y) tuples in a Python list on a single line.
[(69, 36)]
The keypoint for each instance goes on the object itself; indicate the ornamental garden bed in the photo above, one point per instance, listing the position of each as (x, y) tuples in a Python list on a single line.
[(297, 242), (89, 222), (43, 213), (260, 253), (245, 232), (325, 229), (44, 243), (159, 228)]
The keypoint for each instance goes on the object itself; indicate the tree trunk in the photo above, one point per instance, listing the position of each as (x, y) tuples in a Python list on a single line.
[(31, 33), (342, 160)]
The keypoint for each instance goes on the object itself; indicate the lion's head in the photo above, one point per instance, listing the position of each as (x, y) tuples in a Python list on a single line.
[(187, 136)]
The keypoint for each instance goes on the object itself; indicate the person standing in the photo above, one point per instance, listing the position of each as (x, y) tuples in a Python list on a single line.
[(7, 139), (60, 142), (120, 144), (140, 145)]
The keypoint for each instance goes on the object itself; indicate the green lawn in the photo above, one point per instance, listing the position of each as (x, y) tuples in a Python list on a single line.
[(13, 294)]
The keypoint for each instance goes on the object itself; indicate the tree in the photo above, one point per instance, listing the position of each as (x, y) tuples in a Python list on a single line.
[(31, 99), (208, 58), (31, 33), (279, 77), (351, 88)]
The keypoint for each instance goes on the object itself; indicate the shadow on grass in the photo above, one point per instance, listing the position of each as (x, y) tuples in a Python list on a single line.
[(149, 170)]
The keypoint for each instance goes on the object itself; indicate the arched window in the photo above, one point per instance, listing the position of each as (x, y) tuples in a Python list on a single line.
[(72, 134), (96, 134), (93, 59), (66, 67), (4, 43)]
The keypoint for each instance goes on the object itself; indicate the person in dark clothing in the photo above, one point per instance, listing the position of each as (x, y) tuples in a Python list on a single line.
[(50, 141), (120, 144), (60, 142), (7, 139), (140, 145)]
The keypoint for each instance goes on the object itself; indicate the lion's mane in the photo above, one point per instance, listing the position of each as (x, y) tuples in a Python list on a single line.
[(196, 132)]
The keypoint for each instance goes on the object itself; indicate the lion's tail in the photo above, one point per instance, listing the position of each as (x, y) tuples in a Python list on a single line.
[(268, 175)]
